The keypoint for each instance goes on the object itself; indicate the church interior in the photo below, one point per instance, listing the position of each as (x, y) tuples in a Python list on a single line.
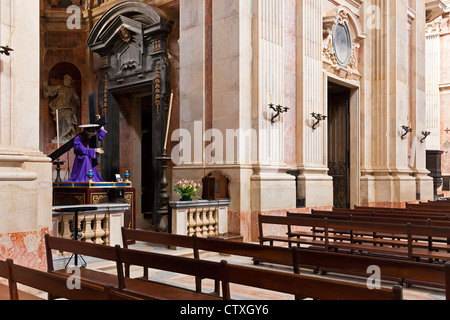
[(245, 150)]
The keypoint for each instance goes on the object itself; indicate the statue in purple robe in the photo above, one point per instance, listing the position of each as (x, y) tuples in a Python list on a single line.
[(86, 157)]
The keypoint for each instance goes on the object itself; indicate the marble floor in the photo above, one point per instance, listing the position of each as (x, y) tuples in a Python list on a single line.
[(240, 292)]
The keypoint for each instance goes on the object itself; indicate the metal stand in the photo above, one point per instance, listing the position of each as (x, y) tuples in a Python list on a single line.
[(76, 211), (58, 163)]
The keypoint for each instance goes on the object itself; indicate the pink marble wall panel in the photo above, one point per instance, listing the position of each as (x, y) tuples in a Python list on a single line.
[(290, 97), (25, 248)]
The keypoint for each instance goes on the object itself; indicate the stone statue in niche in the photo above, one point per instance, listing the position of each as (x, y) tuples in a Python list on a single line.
[(64, 107)]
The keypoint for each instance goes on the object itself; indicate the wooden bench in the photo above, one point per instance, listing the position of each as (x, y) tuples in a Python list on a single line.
[(380, 238), (56, 285), (258, 253), (158, 291), (416, 210), (413, 215), (406, 250), (303, 287), (419, 273), (6, 290), (403, 271), (297, 285)]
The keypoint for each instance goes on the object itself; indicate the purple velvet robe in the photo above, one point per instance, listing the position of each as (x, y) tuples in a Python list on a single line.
[(83, 161)]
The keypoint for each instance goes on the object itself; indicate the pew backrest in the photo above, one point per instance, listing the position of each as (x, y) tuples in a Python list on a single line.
[(181, 265), (51, 283), (306, 286), (76, 247)]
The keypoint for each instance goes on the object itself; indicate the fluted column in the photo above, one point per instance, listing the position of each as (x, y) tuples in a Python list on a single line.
[(394, 97), (433, 80), (315, 186)]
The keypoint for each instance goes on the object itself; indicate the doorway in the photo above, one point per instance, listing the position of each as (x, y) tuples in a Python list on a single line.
[(147, 158), (339, 143)]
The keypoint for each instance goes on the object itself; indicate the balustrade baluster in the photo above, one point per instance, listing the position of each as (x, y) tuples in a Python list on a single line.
[(199, 223), (106, 224), (191, 222), (98, 230), (205, 221), (212, 222), (87, 228)]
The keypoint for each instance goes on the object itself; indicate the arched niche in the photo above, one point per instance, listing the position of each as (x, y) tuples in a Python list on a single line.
[(56, 78)]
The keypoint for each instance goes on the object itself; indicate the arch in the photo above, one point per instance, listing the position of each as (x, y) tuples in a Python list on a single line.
[(332, 15), (132, 9)]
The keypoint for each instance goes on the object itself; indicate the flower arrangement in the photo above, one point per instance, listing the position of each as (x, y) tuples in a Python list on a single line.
[(187, 189)]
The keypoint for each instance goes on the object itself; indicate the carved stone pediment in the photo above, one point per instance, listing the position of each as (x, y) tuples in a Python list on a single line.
[(131, 46), (341, 43)]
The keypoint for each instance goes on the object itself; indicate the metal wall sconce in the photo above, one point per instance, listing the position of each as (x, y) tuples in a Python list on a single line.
[(278, 110), (407, 130), (5, 50), (319, 117), (425, 136)]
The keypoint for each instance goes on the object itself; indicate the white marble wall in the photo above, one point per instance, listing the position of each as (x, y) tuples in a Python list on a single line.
[(25, 173), (433, 80), (314, 183)]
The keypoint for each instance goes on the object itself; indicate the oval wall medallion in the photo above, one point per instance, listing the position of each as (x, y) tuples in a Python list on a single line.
[(342, 43)]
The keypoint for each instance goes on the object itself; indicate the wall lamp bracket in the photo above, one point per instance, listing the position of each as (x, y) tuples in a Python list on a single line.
[(318, 117), (278, 111), (407, 130), (5, 50), (425, 134)]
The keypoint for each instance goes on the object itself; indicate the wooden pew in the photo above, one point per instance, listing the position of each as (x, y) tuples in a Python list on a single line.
[(422, 210), (56, 285), (297, 285), (417, 215), (258, 253), (303, 287), (422, 273), (441, 243), (181, 265), (406, 250), (281, 256), (5, 292), (159, 291), (403, 271)]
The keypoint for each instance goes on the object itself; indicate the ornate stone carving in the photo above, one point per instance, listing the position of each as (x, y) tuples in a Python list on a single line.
[(341, 37)]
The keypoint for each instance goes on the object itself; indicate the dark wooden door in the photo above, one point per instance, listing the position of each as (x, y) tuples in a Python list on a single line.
[(148, 174), (339, 144)]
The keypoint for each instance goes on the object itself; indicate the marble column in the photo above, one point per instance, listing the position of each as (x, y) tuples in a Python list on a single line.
[(315, 186), (25, 172), (396, 73), (272, 189)]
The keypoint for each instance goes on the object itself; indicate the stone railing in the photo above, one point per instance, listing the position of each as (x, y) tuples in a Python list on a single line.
[(102, 226), (201, 218)]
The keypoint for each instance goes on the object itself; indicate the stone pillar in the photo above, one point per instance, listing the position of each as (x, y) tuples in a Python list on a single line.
[(25, 173), (272, 189), (433, 80), (233, 66), (424, 48), (315, 186), (396, 51)]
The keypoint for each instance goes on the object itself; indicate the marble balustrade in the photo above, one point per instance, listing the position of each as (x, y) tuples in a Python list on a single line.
[(102, 226), (201, 218)]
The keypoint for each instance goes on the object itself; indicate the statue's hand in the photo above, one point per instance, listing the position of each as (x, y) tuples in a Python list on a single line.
[(99, 151)]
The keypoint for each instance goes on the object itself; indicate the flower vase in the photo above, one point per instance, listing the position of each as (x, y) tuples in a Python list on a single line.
[(186, 197)]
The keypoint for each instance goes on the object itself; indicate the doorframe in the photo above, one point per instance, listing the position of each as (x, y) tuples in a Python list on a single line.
[(355, 130)]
